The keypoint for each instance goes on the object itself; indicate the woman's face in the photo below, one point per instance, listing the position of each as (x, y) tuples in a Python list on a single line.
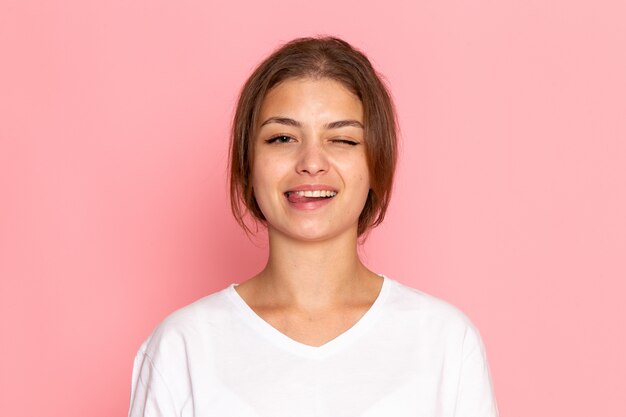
[(310, 175)]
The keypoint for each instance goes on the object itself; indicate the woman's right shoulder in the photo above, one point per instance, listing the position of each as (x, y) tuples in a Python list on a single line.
[(192, 323), (179, 344)]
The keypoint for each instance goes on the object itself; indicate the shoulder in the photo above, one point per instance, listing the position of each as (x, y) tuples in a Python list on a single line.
[(189, 325), (444, 343), (175, 349), (425, 313), (408, 299)]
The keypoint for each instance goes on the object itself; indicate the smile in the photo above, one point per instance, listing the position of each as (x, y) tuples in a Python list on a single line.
[(313, 193), (310, 199)]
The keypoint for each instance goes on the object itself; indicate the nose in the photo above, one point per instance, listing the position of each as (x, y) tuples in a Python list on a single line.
[(312, 160)]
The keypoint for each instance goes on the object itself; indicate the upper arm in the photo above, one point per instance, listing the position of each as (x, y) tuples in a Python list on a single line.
[(475, 396), (150, 395)]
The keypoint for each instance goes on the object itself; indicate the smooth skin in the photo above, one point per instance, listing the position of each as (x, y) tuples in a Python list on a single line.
[(314, 286)]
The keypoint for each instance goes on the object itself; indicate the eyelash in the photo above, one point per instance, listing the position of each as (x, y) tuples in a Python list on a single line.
[(279, 139), (346, 141), (276, 139)]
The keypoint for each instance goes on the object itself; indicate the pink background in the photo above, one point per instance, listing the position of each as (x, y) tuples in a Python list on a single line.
[(510, 199)]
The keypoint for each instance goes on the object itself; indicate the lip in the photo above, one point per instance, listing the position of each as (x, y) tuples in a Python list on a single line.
[(310, 205), (312, 187)]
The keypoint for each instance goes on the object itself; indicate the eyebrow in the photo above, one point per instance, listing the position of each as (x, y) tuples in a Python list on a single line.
[(294, 123), (344, 123)]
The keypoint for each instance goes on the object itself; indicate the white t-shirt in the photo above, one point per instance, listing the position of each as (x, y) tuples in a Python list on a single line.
[(411, 354)]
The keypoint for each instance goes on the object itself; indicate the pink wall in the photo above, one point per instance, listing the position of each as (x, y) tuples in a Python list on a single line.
[(510, 199)]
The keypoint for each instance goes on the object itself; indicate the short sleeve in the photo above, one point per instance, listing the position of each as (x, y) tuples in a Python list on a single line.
[(150, 396), (475, 396)]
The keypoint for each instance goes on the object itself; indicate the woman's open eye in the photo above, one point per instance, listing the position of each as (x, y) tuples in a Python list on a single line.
[(279, 139)]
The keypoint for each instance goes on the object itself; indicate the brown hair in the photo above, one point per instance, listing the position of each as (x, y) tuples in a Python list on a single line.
[(324, 57)]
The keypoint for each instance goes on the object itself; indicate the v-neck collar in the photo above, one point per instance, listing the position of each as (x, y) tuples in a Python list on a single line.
[(285, 342)]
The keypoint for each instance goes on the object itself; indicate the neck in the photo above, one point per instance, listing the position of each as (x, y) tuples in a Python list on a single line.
[(314, 275)]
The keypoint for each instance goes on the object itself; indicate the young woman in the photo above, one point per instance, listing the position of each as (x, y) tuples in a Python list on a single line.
[(315, 333)]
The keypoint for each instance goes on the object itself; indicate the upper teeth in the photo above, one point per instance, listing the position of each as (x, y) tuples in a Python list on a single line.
[(316, 193)]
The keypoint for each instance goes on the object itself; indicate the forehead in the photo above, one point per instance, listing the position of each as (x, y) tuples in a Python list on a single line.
[(311, 100)]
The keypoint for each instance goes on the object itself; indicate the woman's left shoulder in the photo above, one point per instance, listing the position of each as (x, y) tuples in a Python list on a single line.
[(419, 307)]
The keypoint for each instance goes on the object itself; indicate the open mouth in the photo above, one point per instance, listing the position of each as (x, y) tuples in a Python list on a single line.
[(306, 196)]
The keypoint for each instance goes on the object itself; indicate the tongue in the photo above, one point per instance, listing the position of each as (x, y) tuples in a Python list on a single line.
[(295, 198)]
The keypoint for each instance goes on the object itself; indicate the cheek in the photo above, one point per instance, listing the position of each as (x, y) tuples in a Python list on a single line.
[(265, 179), (356, 172), (365, 179), (260, 170), (359, 184), (364, 176)]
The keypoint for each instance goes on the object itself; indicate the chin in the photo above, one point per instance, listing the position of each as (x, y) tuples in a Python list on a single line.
[(315, 234)]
